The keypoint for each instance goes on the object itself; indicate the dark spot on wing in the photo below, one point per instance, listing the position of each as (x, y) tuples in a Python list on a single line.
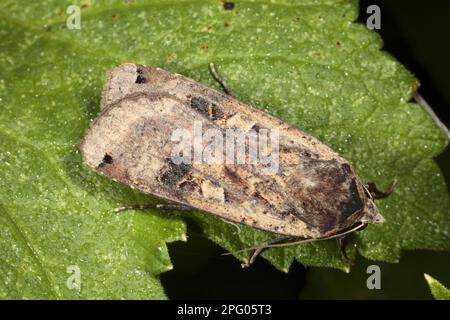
[(210, 110), (107, 159), (256, 127), (226, 196), (174, 173), (140, 75), (199, 104)]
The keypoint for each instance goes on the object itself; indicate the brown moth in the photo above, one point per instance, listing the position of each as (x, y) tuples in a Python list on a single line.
[(314, 195)]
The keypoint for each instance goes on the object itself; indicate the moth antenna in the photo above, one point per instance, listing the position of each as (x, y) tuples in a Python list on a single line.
[(162, 206), (215, 74), (274, 243), (265, 244), (317, 239), (371, 187)]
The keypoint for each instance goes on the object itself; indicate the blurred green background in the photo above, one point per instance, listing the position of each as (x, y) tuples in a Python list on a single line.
[(416, 33)]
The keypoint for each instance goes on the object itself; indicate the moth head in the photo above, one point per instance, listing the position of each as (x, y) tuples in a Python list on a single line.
[(129, 78), (105, 139), (114, 138), (120, 82), (98, 151)]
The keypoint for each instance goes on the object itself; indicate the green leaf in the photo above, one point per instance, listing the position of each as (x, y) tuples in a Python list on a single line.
[(305, 62), (437, 289)]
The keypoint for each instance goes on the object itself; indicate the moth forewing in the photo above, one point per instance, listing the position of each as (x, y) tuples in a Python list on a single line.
[(313, 193)]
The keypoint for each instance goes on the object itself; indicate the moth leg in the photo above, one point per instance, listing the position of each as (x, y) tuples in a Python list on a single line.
[(343, 243), (219, 79), (263, 246), (154, 206), (290, 241), (378, 194)]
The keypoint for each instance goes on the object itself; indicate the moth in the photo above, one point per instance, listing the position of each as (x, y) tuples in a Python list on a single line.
[(314, 194)]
